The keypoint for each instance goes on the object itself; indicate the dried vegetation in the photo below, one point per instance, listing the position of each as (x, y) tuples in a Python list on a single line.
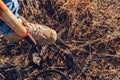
[(88, 45)]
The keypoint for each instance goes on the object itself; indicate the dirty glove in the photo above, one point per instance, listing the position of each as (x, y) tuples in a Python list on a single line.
[(42, 34)]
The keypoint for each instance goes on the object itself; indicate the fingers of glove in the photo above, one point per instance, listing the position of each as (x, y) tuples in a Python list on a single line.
[(12, 37)]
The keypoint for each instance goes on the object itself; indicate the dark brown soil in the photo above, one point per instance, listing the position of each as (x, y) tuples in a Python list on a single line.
[(88, 45)]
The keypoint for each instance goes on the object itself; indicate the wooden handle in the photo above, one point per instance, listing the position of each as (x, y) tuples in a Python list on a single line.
[(9, 18)]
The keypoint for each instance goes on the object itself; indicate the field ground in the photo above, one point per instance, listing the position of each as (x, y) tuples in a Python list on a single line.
[(88, 45)]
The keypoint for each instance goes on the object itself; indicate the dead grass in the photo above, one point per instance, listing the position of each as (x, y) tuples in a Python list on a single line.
[(88, 36)]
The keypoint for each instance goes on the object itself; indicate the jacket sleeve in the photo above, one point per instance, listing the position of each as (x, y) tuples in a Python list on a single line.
[(13, 6)]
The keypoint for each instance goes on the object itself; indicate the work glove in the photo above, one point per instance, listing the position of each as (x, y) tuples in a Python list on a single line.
[(43, 35)]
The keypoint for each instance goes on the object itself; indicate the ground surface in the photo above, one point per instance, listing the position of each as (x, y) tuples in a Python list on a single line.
[(88, 45)]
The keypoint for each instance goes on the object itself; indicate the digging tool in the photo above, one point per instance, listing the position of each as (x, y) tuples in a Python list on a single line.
[(9, 18)]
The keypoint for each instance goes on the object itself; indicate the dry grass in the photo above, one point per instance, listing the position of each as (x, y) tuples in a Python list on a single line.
[(88, 36)]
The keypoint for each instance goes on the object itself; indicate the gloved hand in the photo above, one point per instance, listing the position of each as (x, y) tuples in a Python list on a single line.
[(43, 35)]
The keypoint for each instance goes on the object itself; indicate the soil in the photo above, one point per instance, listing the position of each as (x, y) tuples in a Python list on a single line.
[(88, 44)]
